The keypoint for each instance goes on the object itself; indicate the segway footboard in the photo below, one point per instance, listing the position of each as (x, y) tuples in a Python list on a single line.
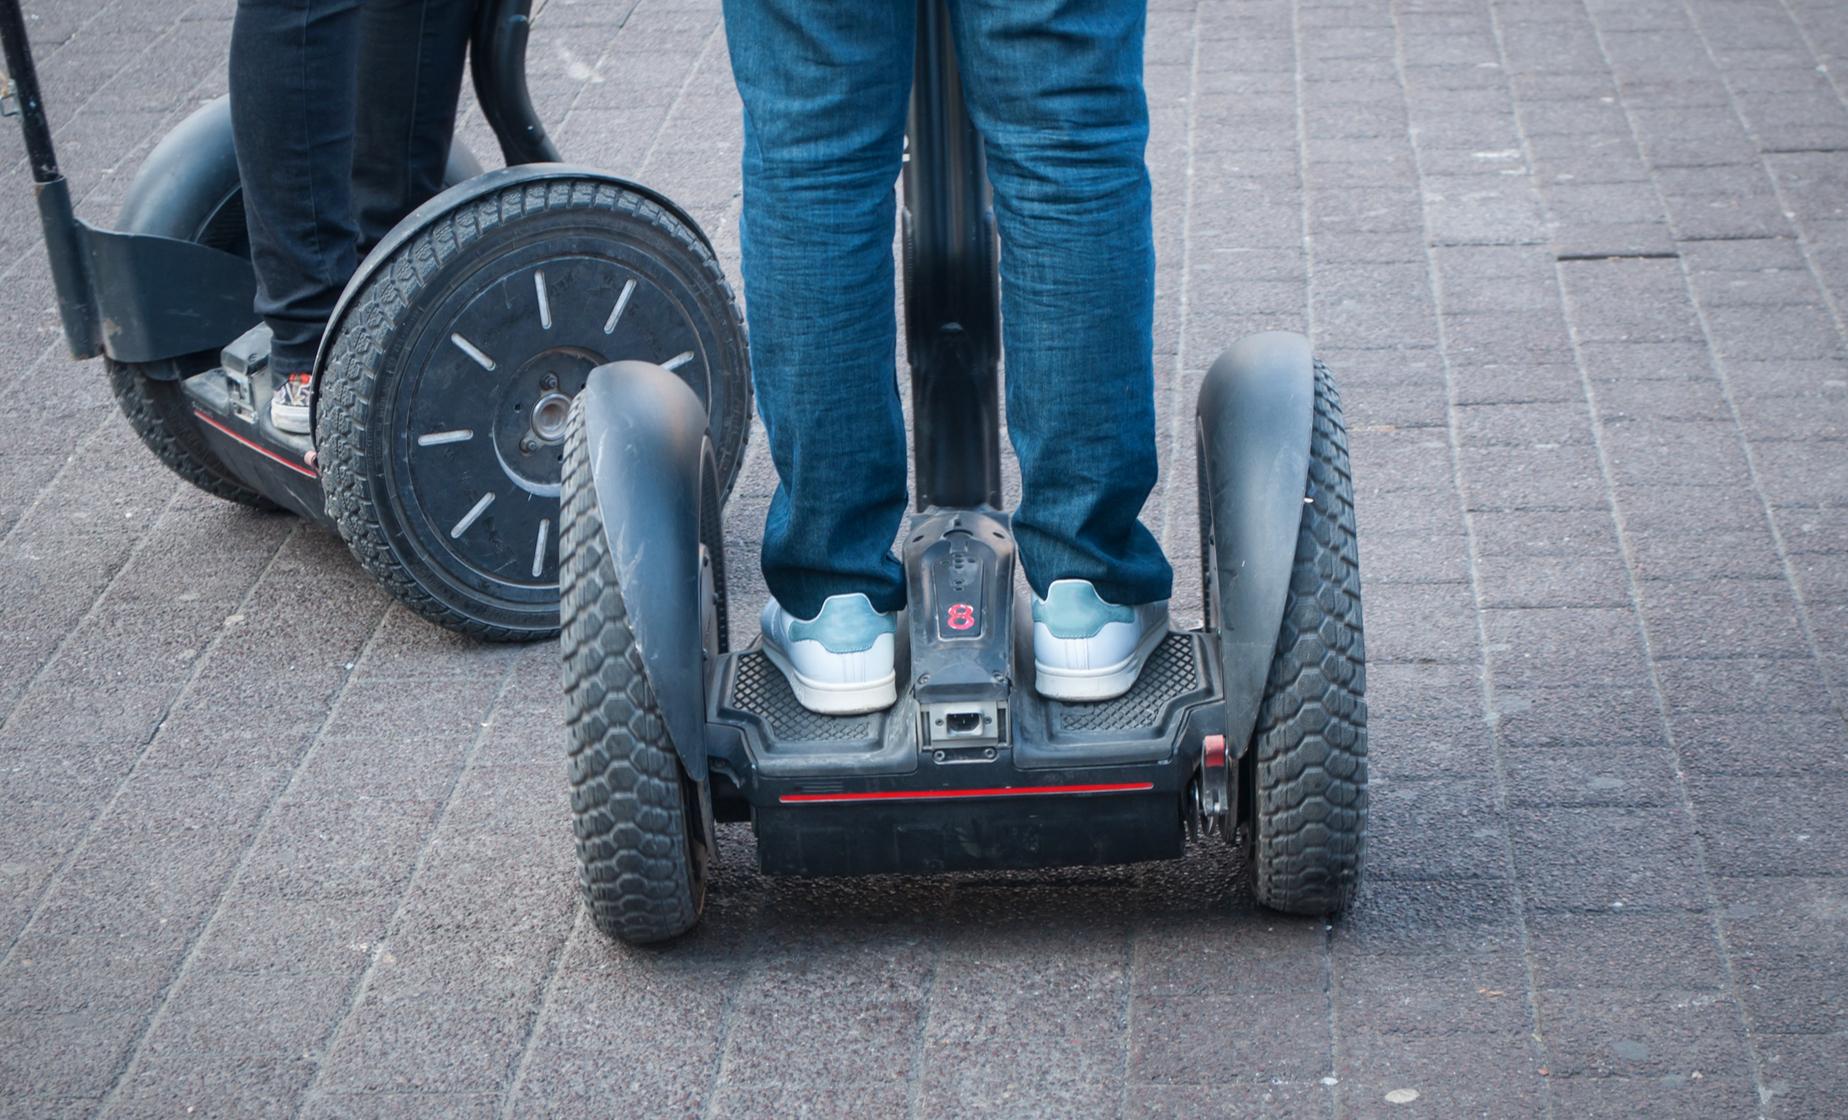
[(892, 792)]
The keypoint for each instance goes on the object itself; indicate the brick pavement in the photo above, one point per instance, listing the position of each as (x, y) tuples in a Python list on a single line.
[(1581, 266)]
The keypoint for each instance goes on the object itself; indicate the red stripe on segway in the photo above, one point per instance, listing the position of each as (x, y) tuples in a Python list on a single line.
[(257, 447), (944, 794)]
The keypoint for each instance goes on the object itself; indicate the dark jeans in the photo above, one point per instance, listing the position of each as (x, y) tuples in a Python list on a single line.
[(343, 112), (1055, 87)]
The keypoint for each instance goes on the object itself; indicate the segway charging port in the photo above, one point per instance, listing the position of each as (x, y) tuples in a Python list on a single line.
[(962, 723)]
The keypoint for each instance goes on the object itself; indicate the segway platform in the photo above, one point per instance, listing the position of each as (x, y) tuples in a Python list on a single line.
[(972, 768)]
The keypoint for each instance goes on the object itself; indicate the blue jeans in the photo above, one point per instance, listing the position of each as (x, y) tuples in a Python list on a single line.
[(1055, 86)]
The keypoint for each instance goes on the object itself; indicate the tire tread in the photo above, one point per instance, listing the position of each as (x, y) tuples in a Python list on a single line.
[(1310, 743), (156, 409), (635, 866)]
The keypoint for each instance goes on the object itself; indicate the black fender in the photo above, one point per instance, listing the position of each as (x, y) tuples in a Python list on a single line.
[(645, 434), (193, 170), (186, 178), (1254, 413), (454, 199), (160, 294)]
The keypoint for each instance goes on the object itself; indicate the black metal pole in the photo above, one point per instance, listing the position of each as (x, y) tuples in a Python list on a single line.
[(65, 241), (23, 77), (952, 307), (497, 59)]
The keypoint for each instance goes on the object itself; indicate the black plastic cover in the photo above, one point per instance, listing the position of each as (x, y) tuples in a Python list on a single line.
[(960, 567), (1254, 414), (645, 431)]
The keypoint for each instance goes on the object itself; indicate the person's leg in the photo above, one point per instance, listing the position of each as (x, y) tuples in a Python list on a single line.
[(292, 76), (825, 87), (411, 59), (1055, 86)]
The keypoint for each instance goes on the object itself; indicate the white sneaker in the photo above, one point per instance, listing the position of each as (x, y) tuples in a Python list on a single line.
[(839, 662), (1087, 649), (289, 407)]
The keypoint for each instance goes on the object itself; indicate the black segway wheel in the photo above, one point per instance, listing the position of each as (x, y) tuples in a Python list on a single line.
[(644, 828), (1305, 773), (149, 394), (442, 410)]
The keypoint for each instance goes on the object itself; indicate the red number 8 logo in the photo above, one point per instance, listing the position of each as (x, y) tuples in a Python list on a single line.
[(960, 616)]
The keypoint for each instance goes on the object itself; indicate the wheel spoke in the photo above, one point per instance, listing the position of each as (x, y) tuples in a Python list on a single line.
[(473, 351), (470, 517), (622, 303), (545, 529)]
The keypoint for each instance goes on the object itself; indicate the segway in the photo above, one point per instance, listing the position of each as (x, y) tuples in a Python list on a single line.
[(1251, 728), (446, 376)]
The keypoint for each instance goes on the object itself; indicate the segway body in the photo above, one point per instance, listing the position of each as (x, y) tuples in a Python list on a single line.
[(443, 384), (1251, 728)]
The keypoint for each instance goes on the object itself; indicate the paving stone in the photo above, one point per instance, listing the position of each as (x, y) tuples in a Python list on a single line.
[(1229, 1100), (423, 1047), (212, 1085), (1557, 477), (1806, 1075), (1803, 419), (1793, 474), (397, 1106), (1205, 955), (1645, 361), (1400, 749), (1434, 995), (1450, 830), (1744, 685), (1422, 622), (1567, 534), (1660, 1032), (1769, 825), (1425, 916), (1603, 774), (1625, 403), (334, 848), (1538, 648), (1722, 618), (65, 1054), (1606, 859), (1554, 581), (1496, 1075), (1518, 425), (1167, 1034), (1622, 951), (55, 972), (1669, 1095)]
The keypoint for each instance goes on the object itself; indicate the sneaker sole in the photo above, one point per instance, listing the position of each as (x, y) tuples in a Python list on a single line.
[(293, 419), (827, 699), (1091, 685)]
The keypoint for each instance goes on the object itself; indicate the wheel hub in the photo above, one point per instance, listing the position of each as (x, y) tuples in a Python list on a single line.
[(535, 403)]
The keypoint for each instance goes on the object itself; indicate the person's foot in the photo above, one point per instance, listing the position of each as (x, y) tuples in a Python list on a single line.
[(841, 661), (1087, 649), (289, 406)]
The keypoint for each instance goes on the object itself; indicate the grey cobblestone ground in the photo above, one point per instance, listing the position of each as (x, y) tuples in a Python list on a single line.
[(269, 845)]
